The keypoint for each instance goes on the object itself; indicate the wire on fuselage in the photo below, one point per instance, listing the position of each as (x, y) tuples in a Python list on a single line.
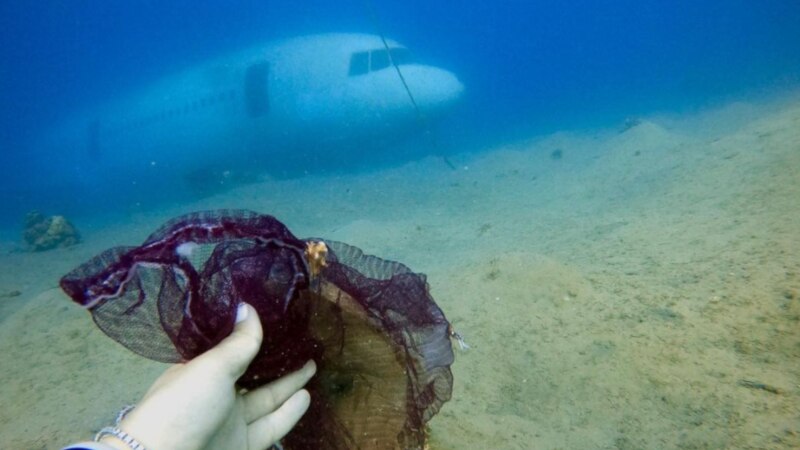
[(423, 122)]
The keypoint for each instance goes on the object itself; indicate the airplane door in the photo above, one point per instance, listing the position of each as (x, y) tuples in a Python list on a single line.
[(256, 93)]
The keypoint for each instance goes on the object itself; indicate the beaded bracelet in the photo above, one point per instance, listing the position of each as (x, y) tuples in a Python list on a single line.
[(110, 431), (121, 435), (89, 446)]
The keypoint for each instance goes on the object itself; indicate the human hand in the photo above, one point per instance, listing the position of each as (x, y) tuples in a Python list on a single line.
[(195, 405)]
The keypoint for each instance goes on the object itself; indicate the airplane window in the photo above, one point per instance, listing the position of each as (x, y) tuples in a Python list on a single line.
[(380, 60), (359, 64), (401, 56)]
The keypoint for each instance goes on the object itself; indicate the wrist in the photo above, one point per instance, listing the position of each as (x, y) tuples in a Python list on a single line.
[(114, 443), (90, 446), (118, 439)]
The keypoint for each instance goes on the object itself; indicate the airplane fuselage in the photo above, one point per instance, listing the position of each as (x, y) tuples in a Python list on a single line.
[(297, 99)]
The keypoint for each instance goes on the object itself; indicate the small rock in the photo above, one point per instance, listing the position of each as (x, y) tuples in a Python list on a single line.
[(45, 233)]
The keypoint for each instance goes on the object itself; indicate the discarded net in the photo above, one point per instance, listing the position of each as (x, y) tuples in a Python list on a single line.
[(381, 344)]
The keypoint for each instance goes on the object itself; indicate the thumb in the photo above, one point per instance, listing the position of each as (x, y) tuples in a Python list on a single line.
[(235, 352)]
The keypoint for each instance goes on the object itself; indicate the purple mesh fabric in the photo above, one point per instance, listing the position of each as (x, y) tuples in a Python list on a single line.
[(381, 343)]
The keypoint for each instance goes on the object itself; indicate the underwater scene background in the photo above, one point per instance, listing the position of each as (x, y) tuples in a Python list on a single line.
[(608, 214)]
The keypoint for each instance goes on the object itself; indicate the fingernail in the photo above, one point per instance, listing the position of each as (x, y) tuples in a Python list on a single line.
[(310, 367), (241, 312)]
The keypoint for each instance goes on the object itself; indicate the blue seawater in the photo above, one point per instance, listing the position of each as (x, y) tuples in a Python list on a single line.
[(528, 67)]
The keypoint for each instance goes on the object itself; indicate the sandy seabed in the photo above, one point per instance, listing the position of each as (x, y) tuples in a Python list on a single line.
[(642, 290)]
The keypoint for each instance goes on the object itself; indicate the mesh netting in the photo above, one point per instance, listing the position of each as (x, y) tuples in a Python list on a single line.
[(381, 344)]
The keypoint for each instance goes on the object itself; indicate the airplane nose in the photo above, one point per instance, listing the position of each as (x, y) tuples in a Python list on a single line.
[(434, 89), (450, 87)]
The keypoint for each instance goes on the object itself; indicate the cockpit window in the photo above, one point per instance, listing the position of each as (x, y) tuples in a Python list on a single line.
[(401, 56), (380, 60), (359, 63)]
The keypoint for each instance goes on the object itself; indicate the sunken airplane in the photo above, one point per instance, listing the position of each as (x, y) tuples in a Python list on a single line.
[(288, 103)]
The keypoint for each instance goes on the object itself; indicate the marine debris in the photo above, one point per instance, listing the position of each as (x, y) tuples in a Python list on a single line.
[(381, 344)]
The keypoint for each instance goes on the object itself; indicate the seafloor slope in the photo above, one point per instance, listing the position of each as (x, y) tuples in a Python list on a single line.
[(640, 291)]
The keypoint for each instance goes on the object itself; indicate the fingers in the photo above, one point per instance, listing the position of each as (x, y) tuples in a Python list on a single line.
[(268, 398), (270, 429), (234, 353)]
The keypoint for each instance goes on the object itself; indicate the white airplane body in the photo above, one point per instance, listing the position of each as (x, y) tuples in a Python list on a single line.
[(305, 95)]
